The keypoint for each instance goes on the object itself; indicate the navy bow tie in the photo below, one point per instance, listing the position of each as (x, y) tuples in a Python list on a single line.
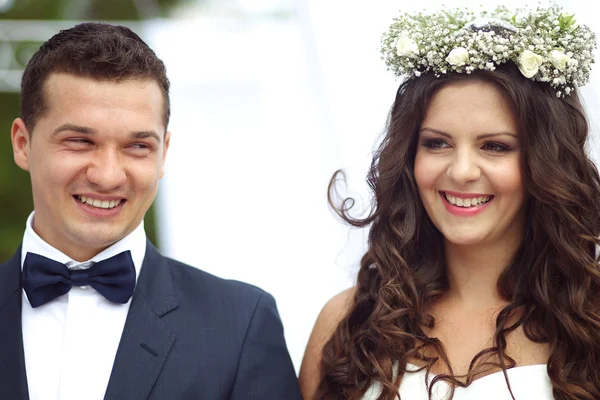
[(44, 279)]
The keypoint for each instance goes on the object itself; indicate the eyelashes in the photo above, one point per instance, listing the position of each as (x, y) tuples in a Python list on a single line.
[(434, 144), (497, 147), (439, 144)]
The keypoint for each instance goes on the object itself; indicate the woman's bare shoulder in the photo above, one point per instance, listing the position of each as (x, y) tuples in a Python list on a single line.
[(336, 309), (329, 318)]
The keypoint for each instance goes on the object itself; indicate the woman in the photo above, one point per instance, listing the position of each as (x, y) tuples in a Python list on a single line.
[(482, 278)]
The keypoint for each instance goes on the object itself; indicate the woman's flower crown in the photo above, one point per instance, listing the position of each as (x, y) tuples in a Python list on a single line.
[(546, 44)]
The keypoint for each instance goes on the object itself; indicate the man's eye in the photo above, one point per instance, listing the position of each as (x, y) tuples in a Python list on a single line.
[(140, 146), (79, 141)]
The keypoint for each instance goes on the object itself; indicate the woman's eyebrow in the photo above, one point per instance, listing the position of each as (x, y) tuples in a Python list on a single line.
[(482, 136)]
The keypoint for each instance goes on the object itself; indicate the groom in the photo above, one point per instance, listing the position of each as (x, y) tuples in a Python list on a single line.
[(89, 309)]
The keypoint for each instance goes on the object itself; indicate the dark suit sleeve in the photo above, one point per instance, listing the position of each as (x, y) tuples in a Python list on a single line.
[(265, 370)]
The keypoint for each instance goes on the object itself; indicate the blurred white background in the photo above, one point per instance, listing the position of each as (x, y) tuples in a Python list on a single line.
[(275, 97)]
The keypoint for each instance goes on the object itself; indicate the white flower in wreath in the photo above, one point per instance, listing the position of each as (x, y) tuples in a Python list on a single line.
[(405, 46), (458, 56), (529, 63), (559, 59)]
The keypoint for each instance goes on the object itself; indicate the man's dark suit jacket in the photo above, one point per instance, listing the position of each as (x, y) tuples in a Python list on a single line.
[(188, 335)]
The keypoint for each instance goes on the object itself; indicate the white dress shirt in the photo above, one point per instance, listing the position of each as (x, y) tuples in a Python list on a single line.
[(70, 343)]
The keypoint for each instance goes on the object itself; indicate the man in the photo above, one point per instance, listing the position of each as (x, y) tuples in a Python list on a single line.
[(88, 308)]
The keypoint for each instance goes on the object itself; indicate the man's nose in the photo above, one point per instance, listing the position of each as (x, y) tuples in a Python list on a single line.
[(106, 170)]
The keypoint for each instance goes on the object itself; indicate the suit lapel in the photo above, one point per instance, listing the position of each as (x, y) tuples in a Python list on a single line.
[(146, 340), (13, 379)]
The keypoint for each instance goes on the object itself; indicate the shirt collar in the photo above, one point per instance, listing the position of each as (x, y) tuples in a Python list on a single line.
[(134, 242)]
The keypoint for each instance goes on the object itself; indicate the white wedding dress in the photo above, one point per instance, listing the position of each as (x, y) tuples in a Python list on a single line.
[(529, 382)]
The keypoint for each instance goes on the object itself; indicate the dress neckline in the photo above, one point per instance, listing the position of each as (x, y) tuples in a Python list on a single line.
[(413, 367)]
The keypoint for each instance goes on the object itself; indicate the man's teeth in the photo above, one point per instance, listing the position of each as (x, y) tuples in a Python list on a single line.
[(471, 202), (99, 203)]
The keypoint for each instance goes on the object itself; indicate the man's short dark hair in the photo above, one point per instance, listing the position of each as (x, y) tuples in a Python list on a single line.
[(96, 50)]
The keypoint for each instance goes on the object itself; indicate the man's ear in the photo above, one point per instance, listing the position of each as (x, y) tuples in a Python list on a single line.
[(21, 143), (164, 155)]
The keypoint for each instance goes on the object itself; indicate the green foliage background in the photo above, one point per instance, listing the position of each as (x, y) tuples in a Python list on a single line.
[(15, 186)]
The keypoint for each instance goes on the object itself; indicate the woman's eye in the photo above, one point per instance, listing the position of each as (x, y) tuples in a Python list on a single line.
[(435, 144), (496, 147)]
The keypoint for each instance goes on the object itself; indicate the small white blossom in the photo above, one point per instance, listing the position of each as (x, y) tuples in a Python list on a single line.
[(458, 56), (405, 46), (559, 59), (529, 63)]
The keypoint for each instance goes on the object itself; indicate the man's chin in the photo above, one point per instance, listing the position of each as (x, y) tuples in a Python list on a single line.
[(87, 242)]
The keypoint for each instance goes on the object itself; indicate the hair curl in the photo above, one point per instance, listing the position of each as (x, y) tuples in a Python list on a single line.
[(552, 284)]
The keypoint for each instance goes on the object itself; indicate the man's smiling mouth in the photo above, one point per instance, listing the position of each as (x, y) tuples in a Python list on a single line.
[(105, 204)]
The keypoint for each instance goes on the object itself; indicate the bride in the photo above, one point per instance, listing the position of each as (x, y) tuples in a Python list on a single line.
[(481, 279)]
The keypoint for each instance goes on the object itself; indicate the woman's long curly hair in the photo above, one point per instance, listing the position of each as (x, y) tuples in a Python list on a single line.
[(552, 284)]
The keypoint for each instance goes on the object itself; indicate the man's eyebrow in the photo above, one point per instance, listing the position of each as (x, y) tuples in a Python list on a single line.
[(482, 136), (75, 128), (145, 135), (90, 131)]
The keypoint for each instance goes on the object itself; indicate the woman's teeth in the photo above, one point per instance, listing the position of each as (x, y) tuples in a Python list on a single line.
[(99, 203), (470, 202)]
